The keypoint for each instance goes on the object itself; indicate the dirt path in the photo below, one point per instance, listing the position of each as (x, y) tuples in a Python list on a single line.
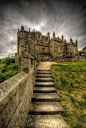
[(45, 65)]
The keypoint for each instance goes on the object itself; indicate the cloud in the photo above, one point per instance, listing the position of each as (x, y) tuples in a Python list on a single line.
[(64, 17)]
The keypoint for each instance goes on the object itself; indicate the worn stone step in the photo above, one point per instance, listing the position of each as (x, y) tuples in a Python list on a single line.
[(44, 89), (43, 76), (44, 84), (44, 80), (42, 108), (43, 72), (46, 121), (45, 97)]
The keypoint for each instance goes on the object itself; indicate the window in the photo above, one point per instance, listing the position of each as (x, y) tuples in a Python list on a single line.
[(26, 36), (26, 42), (31, 62), (38, 36), (32, 37), (43, 49)]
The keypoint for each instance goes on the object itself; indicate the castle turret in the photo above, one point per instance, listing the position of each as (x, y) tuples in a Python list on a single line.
[(71, 40), (22, 27), (53, 35), (29, 29), (48, 34), (62, 37), (76, 42)]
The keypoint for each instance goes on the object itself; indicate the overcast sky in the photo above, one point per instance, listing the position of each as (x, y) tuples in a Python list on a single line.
[(67, 17)]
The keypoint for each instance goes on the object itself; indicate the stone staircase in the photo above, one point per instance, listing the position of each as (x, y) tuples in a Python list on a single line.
[(45, 111)]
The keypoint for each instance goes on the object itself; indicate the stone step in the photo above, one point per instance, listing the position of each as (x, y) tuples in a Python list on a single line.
[(44, 80), (43, 76), (44, 90), (41, 108), (46, 121), (44, 84), (45, 97), (43, 72)]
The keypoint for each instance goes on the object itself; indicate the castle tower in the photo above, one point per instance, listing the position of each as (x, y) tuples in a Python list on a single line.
[(18, 41), (76, 42), (48, 34), (22, 28), (21, 40), (53, 35), (76, 46), (71, 40), (62, 37), (29, 29)]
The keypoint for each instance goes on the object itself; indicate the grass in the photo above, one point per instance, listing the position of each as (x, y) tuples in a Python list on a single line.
[(70, 81)]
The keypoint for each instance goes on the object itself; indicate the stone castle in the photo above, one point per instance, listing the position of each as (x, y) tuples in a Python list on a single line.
[(46, 47)]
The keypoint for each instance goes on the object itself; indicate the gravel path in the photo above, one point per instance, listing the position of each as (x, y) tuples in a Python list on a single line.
[(45, 65)]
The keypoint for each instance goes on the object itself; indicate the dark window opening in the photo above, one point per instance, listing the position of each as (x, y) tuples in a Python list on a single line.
[(31, 37), (26, 36), (38, 36), (43, 50), (31, 62), (26, 42)]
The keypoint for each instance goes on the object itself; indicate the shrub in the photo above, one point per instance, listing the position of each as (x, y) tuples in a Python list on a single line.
[(8, 68)]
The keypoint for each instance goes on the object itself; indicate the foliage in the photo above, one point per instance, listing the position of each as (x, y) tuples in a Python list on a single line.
[(8, 68), (70, 81)]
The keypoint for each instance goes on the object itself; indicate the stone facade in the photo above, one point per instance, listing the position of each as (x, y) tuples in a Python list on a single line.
[(46, 47)]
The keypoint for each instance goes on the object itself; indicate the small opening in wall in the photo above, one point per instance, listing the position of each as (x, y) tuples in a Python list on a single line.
[(38, 36), (32, 37), (26, 36), (19, 61), (31, 62)]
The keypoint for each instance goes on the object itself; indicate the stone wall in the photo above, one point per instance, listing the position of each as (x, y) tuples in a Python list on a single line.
[(15, 98), (16, 92), (75, 58)]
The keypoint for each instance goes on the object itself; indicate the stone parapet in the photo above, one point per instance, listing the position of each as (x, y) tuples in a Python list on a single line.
[(15, 98)]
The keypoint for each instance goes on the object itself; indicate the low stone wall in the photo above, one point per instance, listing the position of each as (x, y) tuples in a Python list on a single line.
[(15, 98), (77, 57), (16, 92)]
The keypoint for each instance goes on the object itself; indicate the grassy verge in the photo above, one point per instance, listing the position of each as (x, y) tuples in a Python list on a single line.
[(70, 81), (8, 68)]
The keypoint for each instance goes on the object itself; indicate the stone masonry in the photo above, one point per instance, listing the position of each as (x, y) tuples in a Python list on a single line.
[(46, 47)]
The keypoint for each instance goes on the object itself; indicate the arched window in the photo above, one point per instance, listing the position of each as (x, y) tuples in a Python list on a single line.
[(38, 36), (32, 37), (26, 36)]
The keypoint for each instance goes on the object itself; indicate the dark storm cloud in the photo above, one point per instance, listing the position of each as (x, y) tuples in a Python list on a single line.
[(67, 17)]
